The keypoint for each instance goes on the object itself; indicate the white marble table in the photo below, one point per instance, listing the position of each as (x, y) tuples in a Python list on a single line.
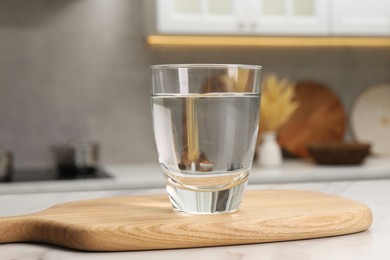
[(372, 244)]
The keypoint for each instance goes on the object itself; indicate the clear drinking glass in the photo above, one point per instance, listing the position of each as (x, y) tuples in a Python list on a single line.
[(205, 119)]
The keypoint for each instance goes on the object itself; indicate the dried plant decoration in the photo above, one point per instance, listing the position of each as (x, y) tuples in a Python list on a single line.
[(238, 83), (192, 132), (192, 158), (277, 102)]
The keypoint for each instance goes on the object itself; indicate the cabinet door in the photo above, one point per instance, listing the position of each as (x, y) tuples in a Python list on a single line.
[(289, 17), (200, 16), (361, 17)]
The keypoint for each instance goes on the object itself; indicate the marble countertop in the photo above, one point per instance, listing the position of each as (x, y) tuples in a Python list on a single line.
[(147, 176), (371, 244)]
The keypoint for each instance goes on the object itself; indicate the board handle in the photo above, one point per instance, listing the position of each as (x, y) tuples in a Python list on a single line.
[(14, 229)]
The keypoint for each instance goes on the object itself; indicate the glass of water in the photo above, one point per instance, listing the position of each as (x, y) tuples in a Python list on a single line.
[(205, 119)]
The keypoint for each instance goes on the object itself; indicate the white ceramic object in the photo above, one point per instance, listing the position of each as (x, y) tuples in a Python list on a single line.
[(370, 118), (269, 151)]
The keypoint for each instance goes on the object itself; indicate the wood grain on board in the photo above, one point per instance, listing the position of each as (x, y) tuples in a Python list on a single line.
[(148, 222)]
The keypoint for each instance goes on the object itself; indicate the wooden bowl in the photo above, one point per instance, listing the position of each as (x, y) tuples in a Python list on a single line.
[(337, 153)]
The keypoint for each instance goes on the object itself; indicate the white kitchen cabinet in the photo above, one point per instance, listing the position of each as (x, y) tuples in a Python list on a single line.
[(199, 16), (289, 17), (283, 17), (361, 17), (274, 17)]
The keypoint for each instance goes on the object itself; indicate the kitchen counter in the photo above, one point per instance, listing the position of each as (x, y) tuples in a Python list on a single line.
[(144, 176), (372, 244)]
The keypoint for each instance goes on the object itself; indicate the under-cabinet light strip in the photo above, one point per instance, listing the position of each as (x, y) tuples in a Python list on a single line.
[(268, 41)]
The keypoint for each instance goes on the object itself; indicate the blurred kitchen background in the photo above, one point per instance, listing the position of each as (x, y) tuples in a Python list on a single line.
[(78, 69)]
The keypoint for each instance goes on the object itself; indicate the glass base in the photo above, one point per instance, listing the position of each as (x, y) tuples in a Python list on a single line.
[(206, 202)]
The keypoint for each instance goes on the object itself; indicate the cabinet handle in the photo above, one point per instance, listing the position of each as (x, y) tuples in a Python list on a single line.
[(241, 24)]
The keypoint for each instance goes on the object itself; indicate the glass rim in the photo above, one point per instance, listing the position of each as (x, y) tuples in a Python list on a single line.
[(205, 66)]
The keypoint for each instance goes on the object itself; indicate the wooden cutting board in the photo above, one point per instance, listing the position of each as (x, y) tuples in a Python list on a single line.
[(148, 222), (320, 117)]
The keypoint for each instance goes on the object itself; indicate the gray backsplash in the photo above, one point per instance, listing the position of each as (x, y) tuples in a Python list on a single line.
[(78, 70)]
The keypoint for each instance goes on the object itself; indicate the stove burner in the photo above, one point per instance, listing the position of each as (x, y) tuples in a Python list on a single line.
[(53, 175)]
